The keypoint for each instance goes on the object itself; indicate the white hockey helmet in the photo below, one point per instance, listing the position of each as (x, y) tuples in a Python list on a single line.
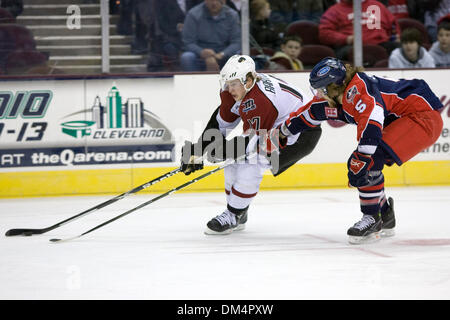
[(237, 67)]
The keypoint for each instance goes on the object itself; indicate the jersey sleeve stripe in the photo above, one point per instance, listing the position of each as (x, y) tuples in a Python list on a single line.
[(367, 149), (307, 116), (309, 123), (290, 90), (375, 123)]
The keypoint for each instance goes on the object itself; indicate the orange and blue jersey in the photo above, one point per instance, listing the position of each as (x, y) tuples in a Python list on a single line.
[(371, 103)]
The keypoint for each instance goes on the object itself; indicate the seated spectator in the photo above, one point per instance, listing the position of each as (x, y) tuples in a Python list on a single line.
[(211, 34), (133, 20), (291, 47), (282, 13), (440, 51), (165, 35), (285, 12), (398, 8), (411, 54), (310, 10), (261, 28), (336, 27), (15, 7), (235, 5), (435, 10)]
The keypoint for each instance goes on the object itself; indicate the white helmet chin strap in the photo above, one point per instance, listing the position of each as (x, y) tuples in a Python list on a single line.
[(247, 90)]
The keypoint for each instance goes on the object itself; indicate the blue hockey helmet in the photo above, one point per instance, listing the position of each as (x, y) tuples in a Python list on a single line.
[(327, 71)]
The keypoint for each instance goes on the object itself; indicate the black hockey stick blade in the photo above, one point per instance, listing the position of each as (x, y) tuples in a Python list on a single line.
[(24, 232), (30, 232), (227, 163)]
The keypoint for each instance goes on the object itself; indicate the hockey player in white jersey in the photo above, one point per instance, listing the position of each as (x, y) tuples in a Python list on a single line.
[(262, 102)]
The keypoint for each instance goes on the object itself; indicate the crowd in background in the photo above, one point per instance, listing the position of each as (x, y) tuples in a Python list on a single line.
[(199, 35)]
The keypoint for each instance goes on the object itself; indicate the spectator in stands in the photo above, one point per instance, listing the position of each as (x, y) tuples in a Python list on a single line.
[(378, 27), (291, 47), (211, 34), (285, 12), (411, 54), (398, 8), (235, 5), (440, 51), (125, 22), (261, 28), (282, 13), (15, 7), (165, 35), (310, 10), (133, 20), (417, 9), (436, 10)]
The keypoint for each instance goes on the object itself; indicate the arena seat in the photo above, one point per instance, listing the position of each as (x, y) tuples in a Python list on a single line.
[(283, 62), (307, 30), (21, 37), (21, 61), (371, 55), (313, 53), (6, 16), (267, 51), (382, 64)]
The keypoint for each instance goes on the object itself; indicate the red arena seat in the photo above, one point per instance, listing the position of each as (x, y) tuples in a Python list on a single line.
[(6, 16), (382, 63), (371, 55), (313, 53), (21, 61), (307, 30)]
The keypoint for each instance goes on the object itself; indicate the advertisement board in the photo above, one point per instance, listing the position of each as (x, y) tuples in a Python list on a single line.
[(117, 126)]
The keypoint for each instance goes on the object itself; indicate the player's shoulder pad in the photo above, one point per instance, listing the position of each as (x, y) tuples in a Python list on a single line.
[(360, 85)]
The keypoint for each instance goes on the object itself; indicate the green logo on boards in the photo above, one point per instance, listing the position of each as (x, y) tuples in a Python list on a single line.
[(116, 119), (77, 129)]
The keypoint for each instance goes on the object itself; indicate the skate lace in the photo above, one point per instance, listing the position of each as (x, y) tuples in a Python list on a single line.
[(226, 218), (365, 222)]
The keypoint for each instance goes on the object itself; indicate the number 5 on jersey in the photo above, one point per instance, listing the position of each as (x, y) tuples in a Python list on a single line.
[(360, 106)]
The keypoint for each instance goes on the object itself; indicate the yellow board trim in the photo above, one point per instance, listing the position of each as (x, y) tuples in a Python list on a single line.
[(116, 181)]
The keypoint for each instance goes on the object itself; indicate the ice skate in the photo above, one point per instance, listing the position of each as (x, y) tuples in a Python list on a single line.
[(226, 223), (388, 218), (367, 230)]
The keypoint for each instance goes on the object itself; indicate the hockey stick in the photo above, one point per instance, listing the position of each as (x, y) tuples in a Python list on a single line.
[(227, 163), (30, 232)]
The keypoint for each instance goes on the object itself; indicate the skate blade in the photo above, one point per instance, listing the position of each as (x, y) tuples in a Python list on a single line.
[(210, 232), (387, 233), (373, 237)]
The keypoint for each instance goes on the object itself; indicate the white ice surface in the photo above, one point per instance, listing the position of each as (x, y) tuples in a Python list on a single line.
[(294, 247)]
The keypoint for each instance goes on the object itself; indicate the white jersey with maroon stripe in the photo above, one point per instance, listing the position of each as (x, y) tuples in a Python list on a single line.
[(266, 106)]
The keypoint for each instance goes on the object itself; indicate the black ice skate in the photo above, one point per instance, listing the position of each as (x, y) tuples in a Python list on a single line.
[(388, 218), (366, 230), (226, 223)]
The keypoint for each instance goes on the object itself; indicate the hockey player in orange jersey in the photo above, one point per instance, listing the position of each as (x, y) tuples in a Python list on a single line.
[(262, 102), (395, 119)]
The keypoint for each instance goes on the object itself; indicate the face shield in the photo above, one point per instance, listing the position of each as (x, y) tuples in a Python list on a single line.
[(320, 93)]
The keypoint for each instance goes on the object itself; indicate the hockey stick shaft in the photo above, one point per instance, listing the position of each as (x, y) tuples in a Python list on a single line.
[(227, 163), (29, 232)]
